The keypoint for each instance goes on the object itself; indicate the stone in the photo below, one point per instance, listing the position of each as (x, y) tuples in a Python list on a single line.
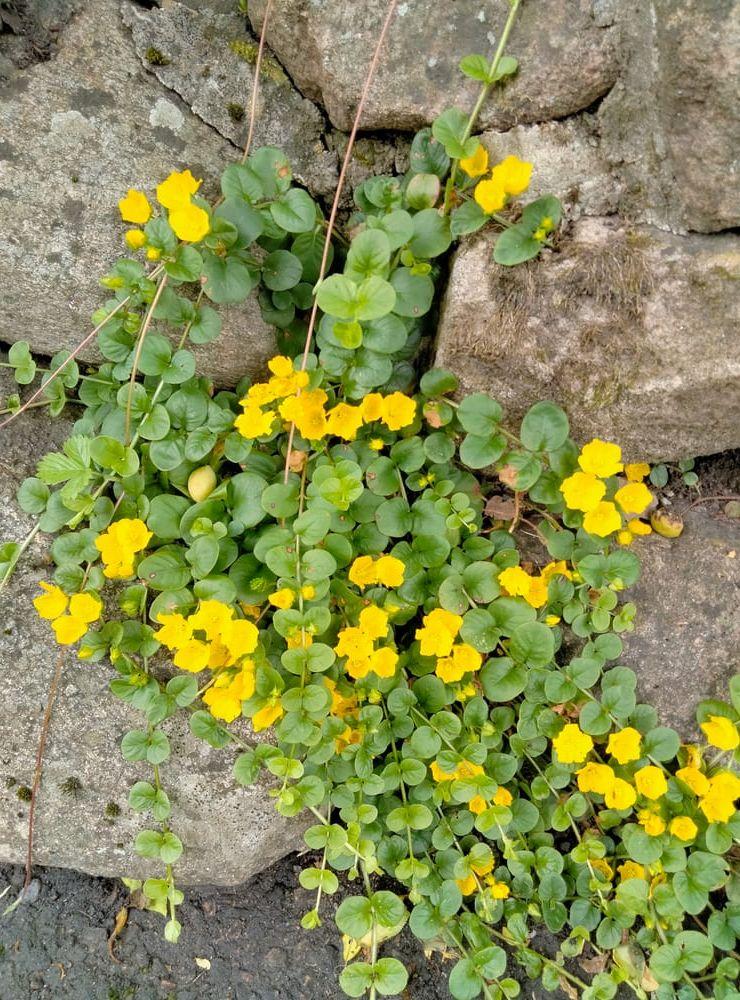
[(568, 162), (207, 57), (686, 643), (670, 126), (632, 330), (76, 132), (229, 833), (567, 62)]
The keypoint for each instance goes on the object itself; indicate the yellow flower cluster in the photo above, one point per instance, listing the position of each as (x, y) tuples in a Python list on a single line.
[(119, 545), (285, 597), (480, 875), (716, 794), (366, 571), (508, 179), (344, 707), (437, 638), (357, 644), (465, 769), (721, 732), (306, 407), (518, 583), (585, 491), (70, 617), (190, 222)]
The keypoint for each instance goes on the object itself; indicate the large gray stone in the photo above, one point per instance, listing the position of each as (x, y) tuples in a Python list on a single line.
[(671, 127), (633, 331), (686, 643), (75, 133), (229, 832), (568, 162), (567, 60)]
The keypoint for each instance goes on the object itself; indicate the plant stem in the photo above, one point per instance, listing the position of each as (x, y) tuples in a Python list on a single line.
[(137, 356), (481, 99), (14, 561)]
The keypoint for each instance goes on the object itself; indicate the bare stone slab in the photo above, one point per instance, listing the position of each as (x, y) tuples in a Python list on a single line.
[(632, 330), (75, 133), (686, 644), (567, 60)]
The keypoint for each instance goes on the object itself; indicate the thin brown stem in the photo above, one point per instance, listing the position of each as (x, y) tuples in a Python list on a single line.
[(137, 357), (335, 203), (39, 763), (256, 85)]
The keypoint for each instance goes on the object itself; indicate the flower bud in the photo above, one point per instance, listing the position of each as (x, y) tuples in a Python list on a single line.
[(201, 483)]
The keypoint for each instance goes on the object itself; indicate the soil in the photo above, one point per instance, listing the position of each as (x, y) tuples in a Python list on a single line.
[(57, 945)]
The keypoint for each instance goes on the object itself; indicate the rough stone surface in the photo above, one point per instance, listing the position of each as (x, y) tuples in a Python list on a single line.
[(686, 644), (568, 162), (75, 133), (670, 126), (229, 832), (207, 58), (633, 331), (566, 65)]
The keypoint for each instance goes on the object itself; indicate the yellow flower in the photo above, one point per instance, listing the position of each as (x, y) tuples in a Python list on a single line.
[(717, 802), (192, 656), (499, 890), (281, 366), (282, 598), (153, 253), (134, 238), (86, 607), (374, 622), (559, 568), (308, 592), (439, 775), (490, 195), (372, 407), (594, 777), (211, 617), (634, 498), (240, 638), (175, 631), (537, 596), (397, 411), (190, 223), (515, 581), (630, 869), (693, 777), (624, 746), (477, 805), (650, 782), (602, 520), (267, 715), (513, 175), (464, 660), (624, 537), (344, 421), (362, 572), (638, 527), (306, 411), (225, 697), (254, 422), (721, 732), (341, 705), (119, 544), (51, 604), (476, 164), (621, 795), (601, 458), (383, 662), (377, 444), (582, 491), (390, 571), (438, 633), (636, 471), (572, 745), (651, 823), (135, 207), (68, 629), (177, 190), (683, 827), (503, 797), (552, 620), (354, 643)]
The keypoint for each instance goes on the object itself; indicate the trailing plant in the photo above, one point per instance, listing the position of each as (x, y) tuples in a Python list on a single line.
[(335, 554)]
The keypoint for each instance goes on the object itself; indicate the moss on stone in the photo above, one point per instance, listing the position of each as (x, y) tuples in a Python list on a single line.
[(248, 51), (156, 58), (236, 111)]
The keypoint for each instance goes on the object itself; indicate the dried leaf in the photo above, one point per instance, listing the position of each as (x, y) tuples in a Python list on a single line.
[(119, 924), (203, 963), (594, 964), (500, 508)]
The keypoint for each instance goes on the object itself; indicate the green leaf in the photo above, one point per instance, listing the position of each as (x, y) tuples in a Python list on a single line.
[(281, 270), (389, 976), (544, 427), (295, 211), (187, 264), (532, 644), (32, 495), (368, 255), (414, 292), (479, 414), (354, 916), (502, 679), (422, 191), (226, 281), (449, 129), (432, 235), (468, 218), (476, 67), (356, 979), (515, 246), (428, 155)]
